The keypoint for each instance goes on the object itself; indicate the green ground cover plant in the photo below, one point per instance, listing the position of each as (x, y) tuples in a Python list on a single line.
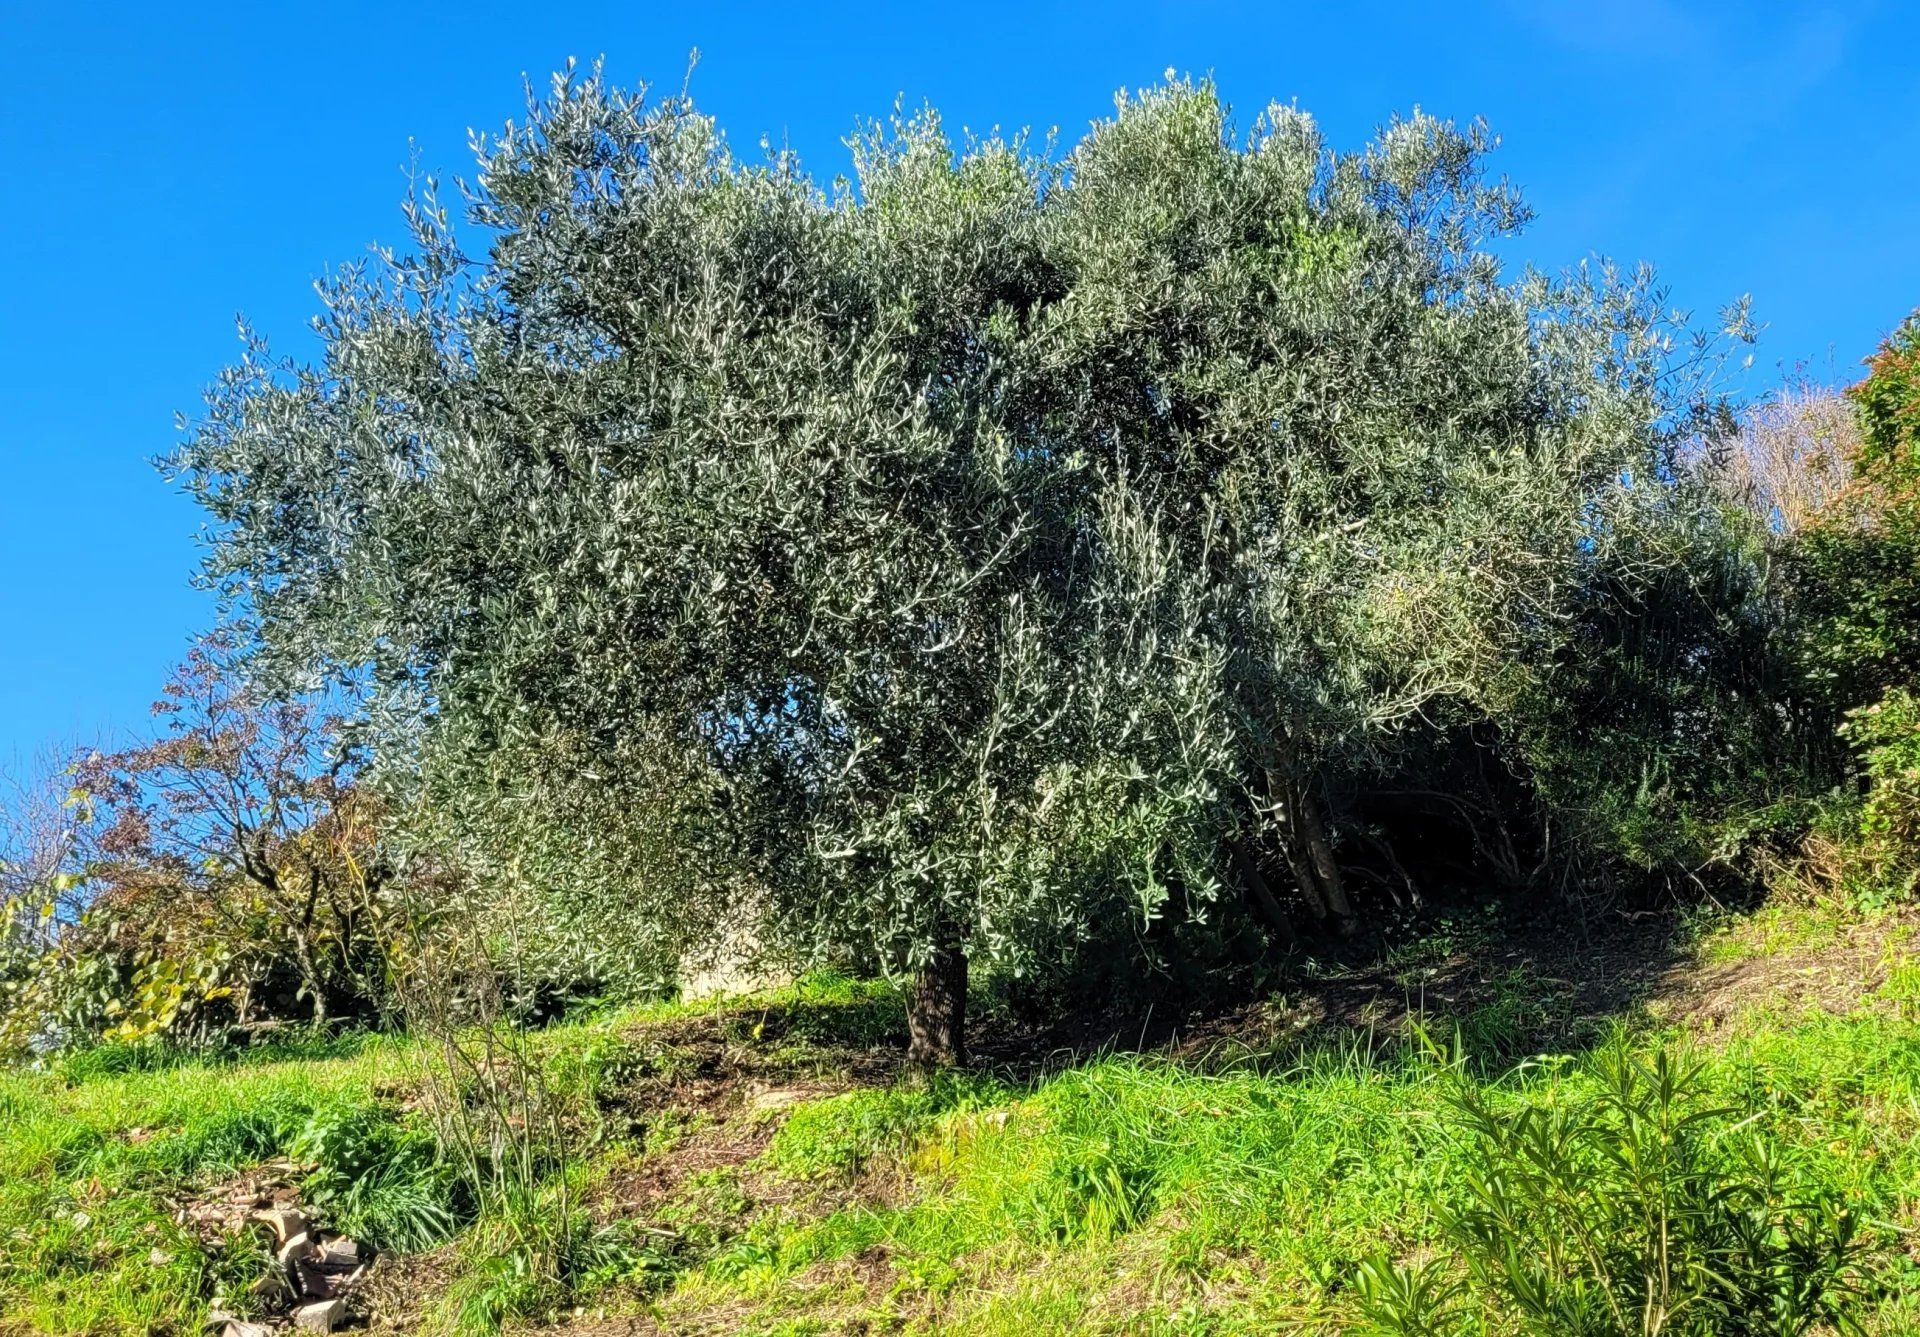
[(1345, 1180)]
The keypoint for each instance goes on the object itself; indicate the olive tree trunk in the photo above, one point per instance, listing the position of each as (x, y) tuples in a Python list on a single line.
[(937, 1010), (1326, 867), (1308, 852)]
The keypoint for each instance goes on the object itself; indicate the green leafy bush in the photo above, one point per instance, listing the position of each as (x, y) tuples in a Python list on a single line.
[(377, 1178), (1635, 1208), (1887, 735), (1853, 581)]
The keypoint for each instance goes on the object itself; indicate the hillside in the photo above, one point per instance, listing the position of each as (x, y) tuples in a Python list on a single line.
[(765, 1165)]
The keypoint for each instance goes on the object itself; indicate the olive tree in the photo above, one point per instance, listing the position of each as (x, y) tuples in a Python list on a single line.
[(950, 560)]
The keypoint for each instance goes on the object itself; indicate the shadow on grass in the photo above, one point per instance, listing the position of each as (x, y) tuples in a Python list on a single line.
[(1503, 982), (1506, 982)]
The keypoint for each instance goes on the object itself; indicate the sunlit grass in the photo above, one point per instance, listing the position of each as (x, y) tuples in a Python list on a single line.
[(1224, 1193)]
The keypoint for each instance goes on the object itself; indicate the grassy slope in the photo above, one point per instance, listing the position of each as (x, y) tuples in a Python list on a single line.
[(786, 1184), (89, 1172)]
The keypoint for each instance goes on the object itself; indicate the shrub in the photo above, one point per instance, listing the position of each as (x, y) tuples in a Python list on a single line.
[(224, 877), (1853, 586), (1634, 1208), (1887, 735), (377, 1178)]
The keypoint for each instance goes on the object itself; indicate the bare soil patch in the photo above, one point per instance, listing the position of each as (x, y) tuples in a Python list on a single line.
[(1837, 974)]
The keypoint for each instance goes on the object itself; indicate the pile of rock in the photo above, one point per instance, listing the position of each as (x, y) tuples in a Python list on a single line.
[(308, 1284)]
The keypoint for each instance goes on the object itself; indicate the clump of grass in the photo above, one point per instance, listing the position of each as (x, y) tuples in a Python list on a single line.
[(607, 1065), (378, 1179), (1522, 1012), (531, 1255), (839, 1136)]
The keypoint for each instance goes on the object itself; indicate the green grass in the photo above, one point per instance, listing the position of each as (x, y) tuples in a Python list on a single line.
[(97, 1153), (92, 1158), (1242, 1200), (1238, 1192)]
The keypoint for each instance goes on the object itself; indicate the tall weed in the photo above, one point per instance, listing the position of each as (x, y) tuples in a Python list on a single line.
[(1630, 1205)]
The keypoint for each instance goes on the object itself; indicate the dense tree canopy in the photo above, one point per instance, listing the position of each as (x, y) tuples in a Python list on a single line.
[(1862, 566), (989, 552), (1858, 582)]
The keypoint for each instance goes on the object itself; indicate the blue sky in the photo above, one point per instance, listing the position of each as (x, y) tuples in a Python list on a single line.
[(164, 168)]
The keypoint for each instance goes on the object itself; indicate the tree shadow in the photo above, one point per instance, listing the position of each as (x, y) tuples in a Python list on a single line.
[(1499, 982)]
